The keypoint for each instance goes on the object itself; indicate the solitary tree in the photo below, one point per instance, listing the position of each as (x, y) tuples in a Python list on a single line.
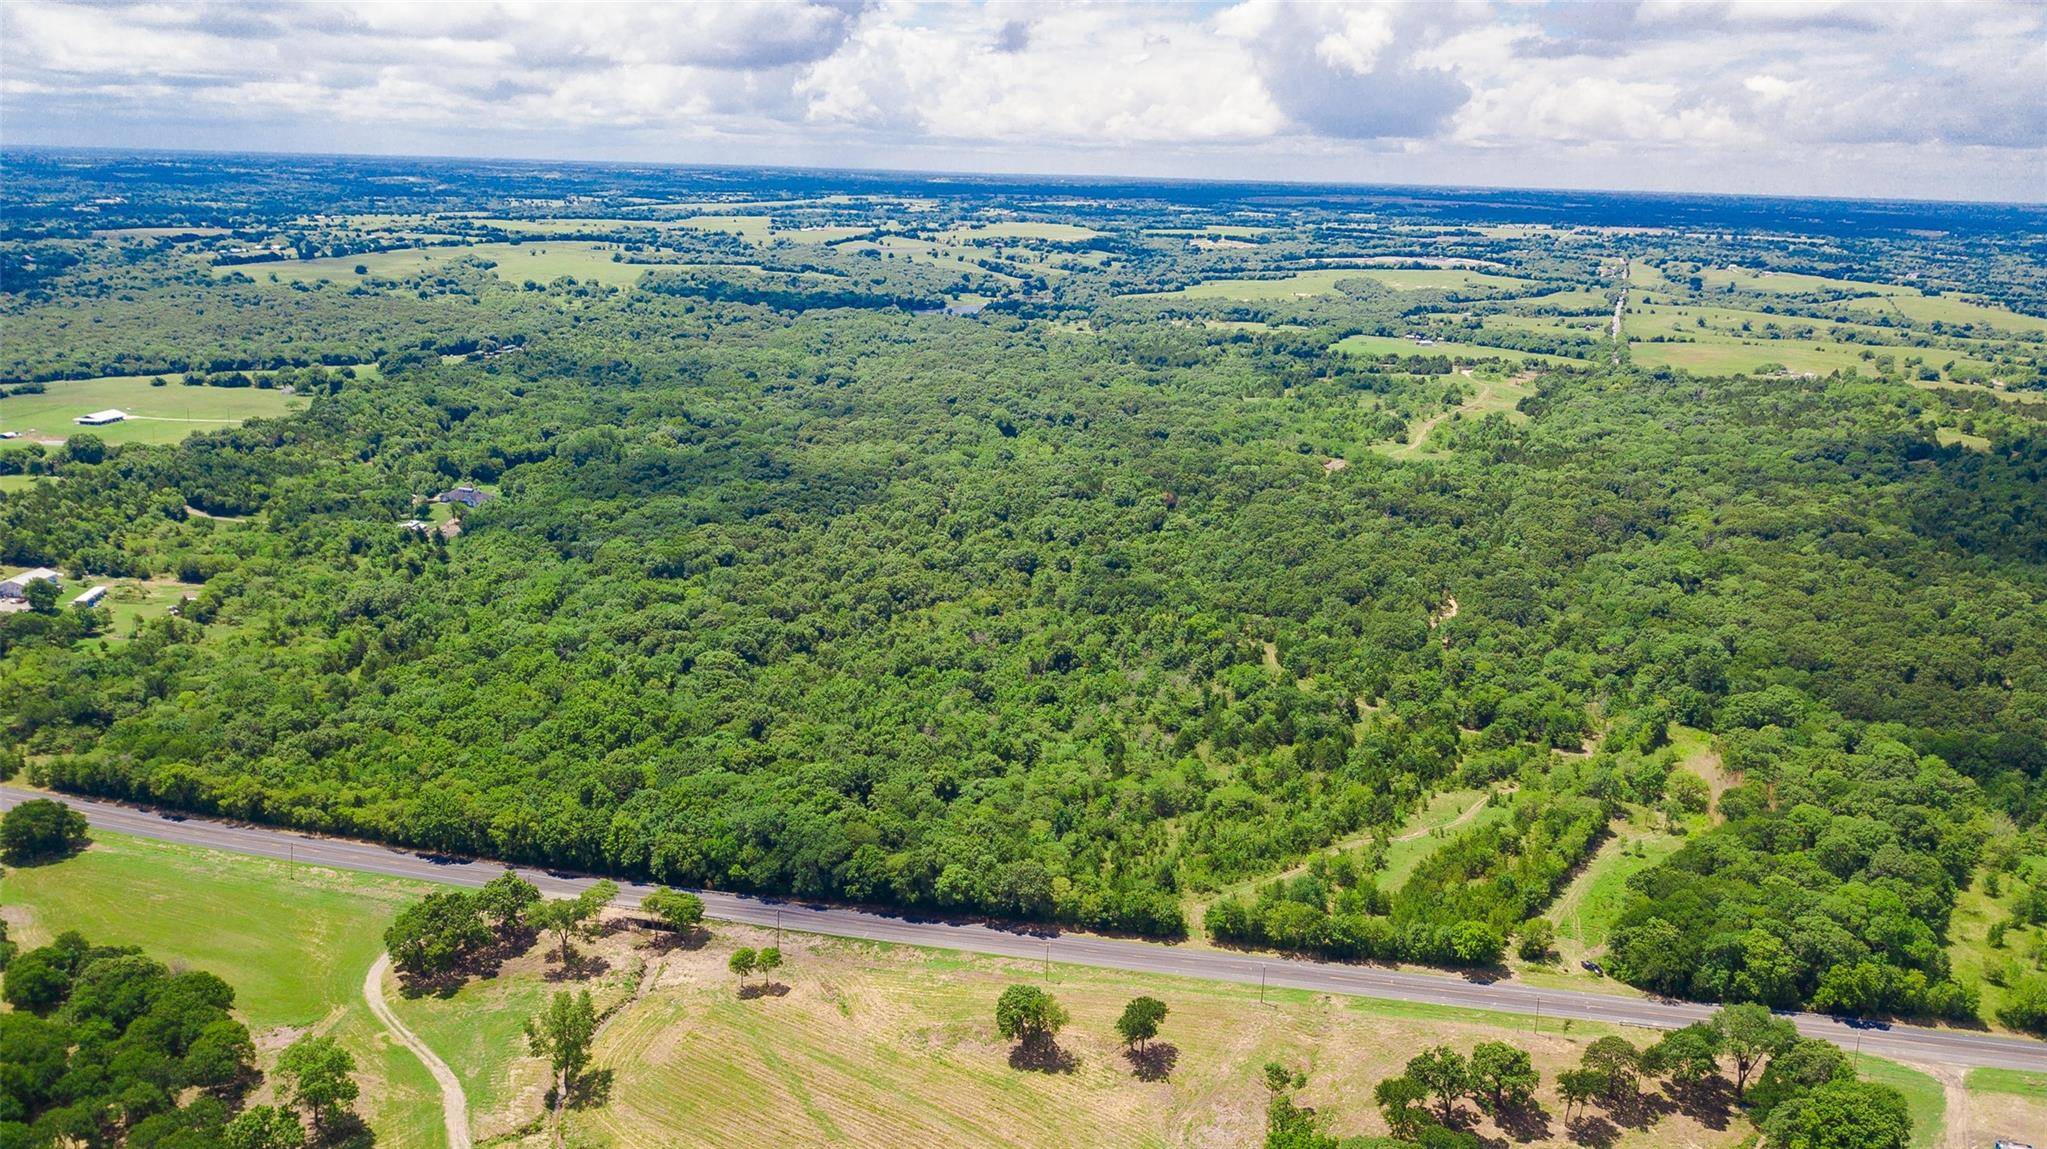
[(1402, 1100), (562, 1033), (318, 1076), (40, 829), (1502, 1077), (1578, 1087), (1444, 1073), (570, 917), (1141, 1020), (1685, 1056), (768, 960), (506, 898), (1751, 1034), (1617, 1063), (744, 961), (677, 910), (1029, 1015), (433, 935)]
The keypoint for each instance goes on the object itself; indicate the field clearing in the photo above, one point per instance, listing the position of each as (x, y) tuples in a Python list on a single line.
[(1023, 229), (1577, 299), (292, 941), (1749, 279), (1323, 281), (1584, 912), (516, 262), (135, 601), (1224, 230), (156, 414), (1461, 352), (1950, 437), (883, 1046), (1429, 830), (1952, 310), (1725, 355), (156, 232), (13, 483), (754, 227)]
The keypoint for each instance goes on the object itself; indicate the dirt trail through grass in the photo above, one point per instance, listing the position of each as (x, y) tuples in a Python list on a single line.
[(454, 1103)]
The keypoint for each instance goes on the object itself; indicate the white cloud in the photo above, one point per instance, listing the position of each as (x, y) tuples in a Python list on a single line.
[(1936, 99)]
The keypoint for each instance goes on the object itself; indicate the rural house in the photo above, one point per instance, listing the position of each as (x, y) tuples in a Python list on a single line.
[(101, 418), (17, 587), (466, 495)]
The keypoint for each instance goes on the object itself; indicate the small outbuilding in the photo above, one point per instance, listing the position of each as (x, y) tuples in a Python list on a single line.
[(101, 418), (17, 587), (91, 597)]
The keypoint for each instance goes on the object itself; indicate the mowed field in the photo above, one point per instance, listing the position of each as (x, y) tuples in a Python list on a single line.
[(867, 1045), (517, 262), (1323, 282), (155, 414), (1462, 352), (1895, 299), (294, 942)]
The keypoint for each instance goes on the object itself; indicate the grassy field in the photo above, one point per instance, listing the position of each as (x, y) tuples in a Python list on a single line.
[(155, 414), (1062, 232), (883, 1046), (9, 483), (1924, 1098), (1488, 394), (1584, 912), (1432, 827), (293, 941), (1749, 279), (2003, 1103), (868, 1045), (1304, 284), (517, 262), (1462, 352), (1949, 309)]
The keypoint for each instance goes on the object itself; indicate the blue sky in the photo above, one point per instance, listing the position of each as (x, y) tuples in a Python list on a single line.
[(1871, 99)]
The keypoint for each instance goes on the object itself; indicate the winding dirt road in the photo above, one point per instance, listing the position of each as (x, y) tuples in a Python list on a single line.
[(454, 1103)]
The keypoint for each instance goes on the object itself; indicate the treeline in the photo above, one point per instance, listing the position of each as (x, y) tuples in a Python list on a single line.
[(1459, 907), (104, 1045), (786, 293), (1829, 885)]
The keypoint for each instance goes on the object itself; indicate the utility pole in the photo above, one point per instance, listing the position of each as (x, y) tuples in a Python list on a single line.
[(1261, 983), (1538, 1013), (291, 861), (778, 929), (1048, 962)]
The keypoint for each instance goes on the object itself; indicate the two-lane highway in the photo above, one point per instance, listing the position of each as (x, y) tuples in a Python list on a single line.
[(1942, 1047)]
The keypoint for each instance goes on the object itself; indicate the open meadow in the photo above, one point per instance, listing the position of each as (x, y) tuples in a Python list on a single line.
[(863, 1044), (163, 414)]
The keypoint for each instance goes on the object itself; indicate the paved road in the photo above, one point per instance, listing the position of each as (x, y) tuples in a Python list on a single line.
[(1939, 1047)]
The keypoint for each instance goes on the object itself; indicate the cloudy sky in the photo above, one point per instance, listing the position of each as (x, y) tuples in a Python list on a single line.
[(1862, 99)]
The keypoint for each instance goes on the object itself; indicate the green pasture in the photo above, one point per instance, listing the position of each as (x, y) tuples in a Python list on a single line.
[(155, 414), (1323, 281), (516, 262), (1925, 1099), (1025, 229), (1461, 352), (293, 941)]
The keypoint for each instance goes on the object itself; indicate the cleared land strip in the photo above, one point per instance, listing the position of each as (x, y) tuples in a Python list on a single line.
[(1940, 1047), (454, 1103)]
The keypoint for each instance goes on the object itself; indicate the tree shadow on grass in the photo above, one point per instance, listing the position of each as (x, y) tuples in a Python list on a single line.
[(1594, 1130), (1154, 1062), (579, 967), (662, 940), (1709, 1102), (765, 989), (1528, 1122), (592, 1090), (1042, 1055)]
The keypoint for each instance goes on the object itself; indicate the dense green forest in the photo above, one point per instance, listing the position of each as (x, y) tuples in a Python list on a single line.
[(1070, 610)]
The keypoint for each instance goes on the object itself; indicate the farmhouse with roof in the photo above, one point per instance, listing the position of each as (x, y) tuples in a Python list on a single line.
[(466, 495), (17, 587)]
